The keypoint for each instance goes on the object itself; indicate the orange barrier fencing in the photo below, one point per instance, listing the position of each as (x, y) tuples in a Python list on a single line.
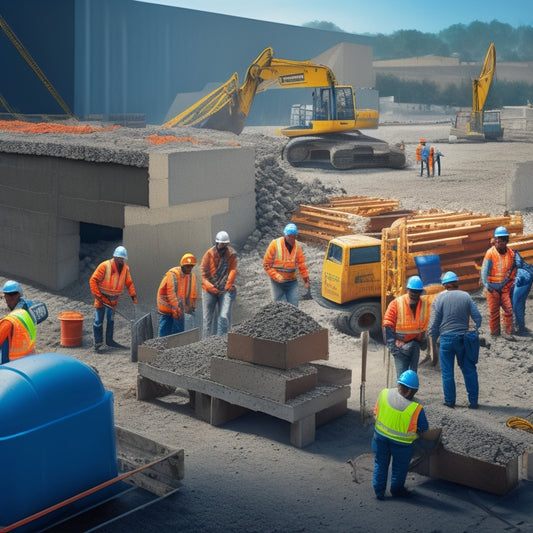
[(44, 127)]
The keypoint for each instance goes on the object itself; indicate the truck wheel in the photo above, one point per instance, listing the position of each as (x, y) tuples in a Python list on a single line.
[(366, 316)]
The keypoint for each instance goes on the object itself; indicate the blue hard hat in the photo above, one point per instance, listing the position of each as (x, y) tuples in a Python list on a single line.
[(501, 231), (449, 277), (120, 251), (12, 286), (290, 229), (409, 378), (415, 283)]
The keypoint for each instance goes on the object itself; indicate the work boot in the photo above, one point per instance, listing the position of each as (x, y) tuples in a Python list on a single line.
[(98, 347), (508, 337), (402, 493), (112, 344)]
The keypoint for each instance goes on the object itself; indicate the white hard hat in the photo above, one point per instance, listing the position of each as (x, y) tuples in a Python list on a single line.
[(222, 237), (120, 251)]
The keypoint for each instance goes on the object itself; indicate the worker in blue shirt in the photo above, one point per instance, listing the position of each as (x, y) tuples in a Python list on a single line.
[(399, 420), (451, 312), (424, 155)]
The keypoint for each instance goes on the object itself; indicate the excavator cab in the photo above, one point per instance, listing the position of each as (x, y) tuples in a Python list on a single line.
[(333, 104)]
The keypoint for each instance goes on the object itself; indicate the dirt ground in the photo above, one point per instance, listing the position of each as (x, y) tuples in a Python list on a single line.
[(246, 476)]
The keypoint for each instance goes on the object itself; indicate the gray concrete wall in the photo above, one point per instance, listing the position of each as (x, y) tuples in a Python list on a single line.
[(520, 191), (193, 195), (177, 205)]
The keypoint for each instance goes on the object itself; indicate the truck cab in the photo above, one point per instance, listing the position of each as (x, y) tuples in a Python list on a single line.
[(352, 269)]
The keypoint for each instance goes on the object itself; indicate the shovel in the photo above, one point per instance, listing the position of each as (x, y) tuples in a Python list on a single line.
[(362, 400)]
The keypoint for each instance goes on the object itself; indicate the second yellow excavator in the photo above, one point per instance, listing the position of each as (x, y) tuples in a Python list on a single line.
[(332, 132)]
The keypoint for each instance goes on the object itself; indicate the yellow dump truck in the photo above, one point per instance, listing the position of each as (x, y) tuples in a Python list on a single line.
[(362, 274)]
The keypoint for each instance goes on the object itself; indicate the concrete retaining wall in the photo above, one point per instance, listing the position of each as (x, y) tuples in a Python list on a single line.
[(520, 191), (176, 205)]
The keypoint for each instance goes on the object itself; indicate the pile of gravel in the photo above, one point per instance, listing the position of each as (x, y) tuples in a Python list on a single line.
[(280, 322), (466, 435), (192, 359)]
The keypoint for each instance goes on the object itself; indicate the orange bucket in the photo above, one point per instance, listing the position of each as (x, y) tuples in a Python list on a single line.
[(71, 328)]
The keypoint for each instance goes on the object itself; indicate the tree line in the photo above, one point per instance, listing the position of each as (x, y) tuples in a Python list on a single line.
[(466, 42)]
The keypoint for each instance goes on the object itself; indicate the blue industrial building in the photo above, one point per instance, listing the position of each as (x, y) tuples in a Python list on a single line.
[(113, 57)]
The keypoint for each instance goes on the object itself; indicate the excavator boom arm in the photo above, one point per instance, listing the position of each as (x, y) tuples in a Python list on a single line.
[(481, 85), (227, 107)]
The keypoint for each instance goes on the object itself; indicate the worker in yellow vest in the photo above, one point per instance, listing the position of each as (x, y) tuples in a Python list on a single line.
[(17, 329), (399, 420)]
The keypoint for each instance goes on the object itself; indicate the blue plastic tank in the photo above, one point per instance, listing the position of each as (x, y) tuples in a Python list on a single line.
[(57, 435)]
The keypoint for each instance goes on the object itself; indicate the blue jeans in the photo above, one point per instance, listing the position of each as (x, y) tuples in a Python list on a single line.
[(98, 326), (452, 345), (407, 357), (170, 326), (285, 292), (401, 454), (217, 312)]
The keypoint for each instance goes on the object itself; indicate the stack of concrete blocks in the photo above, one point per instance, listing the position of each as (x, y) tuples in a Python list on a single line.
[(281, 372)]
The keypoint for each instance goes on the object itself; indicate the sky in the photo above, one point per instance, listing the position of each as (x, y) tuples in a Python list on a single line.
[(370, 16)]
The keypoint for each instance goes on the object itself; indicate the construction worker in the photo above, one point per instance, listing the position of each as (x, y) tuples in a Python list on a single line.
[(17, 329), (519, 294), (399, 420), (498, 273), (418, 155), (424, 159), (219, 270), (437, 154), (451, 312), (177, 296), (13, 295), (405, 321), (283, 256), (107, 283)]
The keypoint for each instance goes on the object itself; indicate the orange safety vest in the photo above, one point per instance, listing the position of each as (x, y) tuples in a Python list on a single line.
[(396, 425), (108, 283), (502, 265), (409, 326), (176, 293), (23, 332), (418, 153), (281, 265)]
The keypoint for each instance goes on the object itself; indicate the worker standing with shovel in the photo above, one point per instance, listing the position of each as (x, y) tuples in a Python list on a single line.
[(282, 258), (107, 284)]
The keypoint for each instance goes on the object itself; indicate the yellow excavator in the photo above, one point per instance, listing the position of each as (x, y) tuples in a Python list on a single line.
[(480, 125), (332, 133)]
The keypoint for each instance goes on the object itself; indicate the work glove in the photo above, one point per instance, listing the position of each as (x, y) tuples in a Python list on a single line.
[(176, 313), (393, 349), (306, 281), (134, 299), (278, 278)]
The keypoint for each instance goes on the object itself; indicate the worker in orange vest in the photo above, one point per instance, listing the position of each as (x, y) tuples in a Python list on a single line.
[(17, 329), (176, 296), (219, 270), (418, 155), (282, 261), (406, 321), (107, 284)]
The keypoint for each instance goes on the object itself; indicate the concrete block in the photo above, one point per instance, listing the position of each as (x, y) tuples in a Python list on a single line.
[(289, 354), (303, 431), (469, 471), (330, 413), (274, 384), (527, 466), (332, 375), (147, 353)]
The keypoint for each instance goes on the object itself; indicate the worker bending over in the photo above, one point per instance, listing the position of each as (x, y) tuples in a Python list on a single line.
[(17, 329), (281, 261), (399, 419), (107, 284), (405, 321), (177, 296), (451, 312)]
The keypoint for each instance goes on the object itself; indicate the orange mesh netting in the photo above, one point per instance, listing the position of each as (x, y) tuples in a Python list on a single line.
[(44, 127), (163, 139)]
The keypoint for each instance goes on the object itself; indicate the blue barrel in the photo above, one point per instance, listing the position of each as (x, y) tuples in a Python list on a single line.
[(57, 435)]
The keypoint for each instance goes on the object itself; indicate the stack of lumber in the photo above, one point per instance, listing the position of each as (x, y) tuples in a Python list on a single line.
[(461, 240), (344, 216)]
